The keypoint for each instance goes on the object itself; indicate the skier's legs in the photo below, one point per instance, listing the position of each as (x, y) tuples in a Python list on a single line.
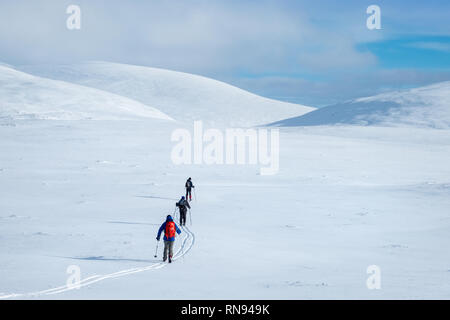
[(188, 193), (183, 217), (171, 249), (166, 249)]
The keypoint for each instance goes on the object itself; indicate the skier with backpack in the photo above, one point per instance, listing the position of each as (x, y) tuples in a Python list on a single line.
[(170, 231), (183, 205), (189, 185)]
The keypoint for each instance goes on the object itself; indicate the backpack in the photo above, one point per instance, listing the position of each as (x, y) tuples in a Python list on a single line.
[(170, 229)]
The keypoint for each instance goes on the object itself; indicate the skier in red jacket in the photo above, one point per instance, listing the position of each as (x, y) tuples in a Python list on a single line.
[(170, 229)]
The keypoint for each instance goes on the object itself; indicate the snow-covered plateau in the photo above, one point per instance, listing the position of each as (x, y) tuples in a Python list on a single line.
[(86, 179)]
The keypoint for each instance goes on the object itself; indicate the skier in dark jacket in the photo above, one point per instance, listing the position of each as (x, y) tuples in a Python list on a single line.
[(183, 205), (170, 228), (189, 185)]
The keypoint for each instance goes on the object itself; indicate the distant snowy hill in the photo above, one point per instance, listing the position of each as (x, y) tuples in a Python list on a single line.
[(422, 107), (184, 97), (23, 96)]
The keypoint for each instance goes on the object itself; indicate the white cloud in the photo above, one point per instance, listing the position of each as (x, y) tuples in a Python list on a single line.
[(195, 36), (226, 40)]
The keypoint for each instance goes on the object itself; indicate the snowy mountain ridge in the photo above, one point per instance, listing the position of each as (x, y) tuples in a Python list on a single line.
[(24, 96), (183, 96), (427, 106)]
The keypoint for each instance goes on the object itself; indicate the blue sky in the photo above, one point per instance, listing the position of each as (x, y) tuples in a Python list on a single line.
[(421, 52), (311, 52)]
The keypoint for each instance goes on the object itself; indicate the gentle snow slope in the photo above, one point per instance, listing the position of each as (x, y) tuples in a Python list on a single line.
[(424, 107), (93, 195), (183, 96), (25, 96)]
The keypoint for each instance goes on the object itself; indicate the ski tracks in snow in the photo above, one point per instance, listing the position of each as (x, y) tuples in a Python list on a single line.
[(187, 243)]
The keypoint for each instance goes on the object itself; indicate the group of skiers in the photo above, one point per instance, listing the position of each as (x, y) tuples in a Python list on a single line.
[(170, 228)]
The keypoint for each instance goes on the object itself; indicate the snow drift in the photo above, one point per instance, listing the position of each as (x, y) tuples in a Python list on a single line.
[(422, 107), (23, 96), (183, 96)]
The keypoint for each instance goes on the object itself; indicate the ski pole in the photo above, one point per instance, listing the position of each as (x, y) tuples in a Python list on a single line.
[(156, 251), (190, 216), (175, 214), (195, 196)]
